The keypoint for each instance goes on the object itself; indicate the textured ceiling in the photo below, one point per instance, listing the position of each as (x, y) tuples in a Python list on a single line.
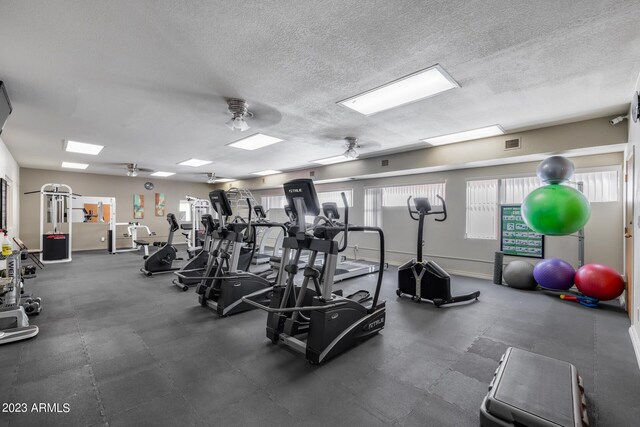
[(147, 79)]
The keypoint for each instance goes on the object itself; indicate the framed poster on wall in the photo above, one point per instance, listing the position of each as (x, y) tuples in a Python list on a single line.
[(138, 206), (516, 238)]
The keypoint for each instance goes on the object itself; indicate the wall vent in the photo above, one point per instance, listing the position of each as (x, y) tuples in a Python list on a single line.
[(512, 144), (312, 173), (384, 163)]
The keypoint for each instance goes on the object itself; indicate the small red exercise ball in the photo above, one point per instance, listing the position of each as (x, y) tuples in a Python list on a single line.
[(599, 281)]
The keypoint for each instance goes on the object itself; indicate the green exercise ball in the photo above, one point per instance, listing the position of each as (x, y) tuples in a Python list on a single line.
[(556, 210)]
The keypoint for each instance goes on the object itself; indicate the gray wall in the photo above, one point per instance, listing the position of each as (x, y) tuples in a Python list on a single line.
[(445, 242), (536, 144), (87, 235)]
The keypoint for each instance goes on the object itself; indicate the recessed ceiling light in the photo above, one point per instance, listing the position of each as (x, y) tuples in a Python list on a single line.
[(195, 163), (82, 147), (413, 87), (267, 172), (466, 135), (332, 160), (254, 142), (160, 173), (71, 165), (224, 180)]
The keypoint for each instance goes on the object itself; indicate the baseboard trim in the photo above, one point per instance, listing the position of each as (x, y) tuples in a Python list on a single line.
[(471, 274), (635, 341)]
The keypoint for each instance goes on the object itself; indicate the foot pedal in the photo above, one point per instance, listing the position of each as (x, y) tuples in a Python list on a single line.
[(360, 296)]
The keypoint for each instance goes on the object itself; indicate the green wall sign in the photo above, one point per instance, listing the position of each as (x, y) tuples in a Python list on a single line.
[(516, 238)]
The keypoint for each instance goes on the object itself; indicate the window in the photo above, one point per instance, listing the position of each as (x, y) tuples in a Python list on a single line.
[(602, 186), (334, 196), (184, 210), (514, 190), (375, 199), (273, 202), (278, 201), (482, 209), (482, 197), (598, 187)]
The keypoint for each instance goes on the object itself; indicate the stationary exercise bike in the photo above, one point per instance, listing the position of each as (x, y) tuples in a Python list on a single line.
[(427, 280), (161, 261)]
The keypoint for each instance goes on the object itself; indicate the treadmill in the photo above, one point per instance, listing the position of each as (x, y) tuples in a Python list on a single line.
[(348, 269)]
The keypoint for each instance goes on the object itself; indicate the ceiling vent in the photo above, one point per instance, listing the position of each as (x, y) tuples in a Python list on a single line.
[(384, 163), (512, 144)]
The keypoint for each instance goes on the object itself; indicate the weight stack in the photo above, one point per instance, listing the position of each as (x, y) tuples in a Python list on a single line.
[(497, 267)]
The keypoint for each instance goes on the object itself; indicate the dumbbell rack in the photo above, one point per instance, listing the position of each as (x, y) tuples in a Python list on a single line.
[(14, 323)]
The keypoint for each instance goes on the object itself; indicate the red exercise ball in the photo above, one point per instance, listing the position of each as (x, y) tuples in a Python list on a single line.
[(599, 281)]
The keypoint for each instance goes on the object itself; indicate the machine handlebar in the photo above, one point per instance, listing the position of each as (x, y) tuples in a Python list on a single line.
[(443, 212)]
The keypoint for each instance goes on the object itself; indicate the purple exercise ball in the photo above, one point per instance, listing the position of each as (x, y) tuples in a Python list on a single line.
[(554, 273)]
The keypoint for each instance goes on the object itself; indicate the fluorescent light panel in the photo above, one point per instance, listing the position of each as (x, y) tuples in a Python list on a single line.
[(468, 135), (83, 147), (416, 86), (71, 165), (224, 180), (254, 142), (332, 160), (160, 173), (267, 172), (195, 163)]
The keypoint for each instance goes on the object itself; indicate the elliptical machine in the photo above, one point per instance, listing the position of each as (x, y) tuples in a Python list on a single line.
[(314, 318), (191, 273), (224, 287), (427, 280), (161, 260)]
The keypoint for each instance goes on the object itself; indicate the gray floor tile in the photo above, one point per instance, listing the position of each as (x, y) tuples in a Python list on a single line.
[(125, 392)]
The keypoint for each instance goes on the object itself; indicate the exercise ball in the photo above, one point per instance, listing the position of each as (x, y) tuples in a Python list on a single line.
[(554, 273), (556, 210), (519, 275), (555, 169), (599, 281)]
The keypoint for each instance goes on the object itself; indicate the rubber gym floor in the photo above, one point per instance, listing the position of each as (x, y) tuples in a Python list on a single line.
[(123, 349)]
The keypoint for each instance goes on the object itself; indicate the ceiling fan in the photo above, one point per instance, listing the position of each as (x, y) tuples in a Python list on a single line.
[(213, 179), (239, 110), (132, 169), (351, 143)]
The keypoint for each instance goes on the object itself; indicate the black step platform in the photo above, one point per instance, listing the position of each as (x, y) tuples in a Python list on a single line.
[(529, 389)]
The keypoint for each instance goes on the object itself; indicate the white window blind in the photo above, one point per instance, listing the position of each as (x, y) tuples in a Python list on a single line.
[(514, 190), (377, 198), (599, 186), (334, 196), (397, 196), (278, 201), (273, 202), (373, 207), (481, 209), (184, 210)]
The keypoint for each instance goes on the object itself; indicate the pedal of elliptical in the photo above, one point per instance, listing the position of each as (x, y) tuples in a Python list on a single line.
[(360, 296)]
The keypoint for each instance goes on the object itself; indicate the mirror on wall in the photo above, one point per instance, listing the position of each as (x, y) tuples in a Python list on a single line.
[(91, 209)]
